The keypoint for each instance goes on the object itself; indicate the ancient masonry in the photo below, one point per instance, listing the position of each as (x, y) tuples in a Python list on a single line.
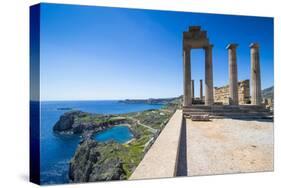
[(221, 94), (225, 101)]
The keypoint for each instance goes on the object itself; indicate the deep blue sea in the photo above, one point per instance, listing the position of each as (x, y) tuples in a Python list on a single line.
[(56, 150)]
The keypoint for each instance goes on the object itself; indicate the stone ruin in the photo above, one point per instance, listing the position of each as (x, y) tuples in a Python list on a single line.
[(221, 94), (229, 101)]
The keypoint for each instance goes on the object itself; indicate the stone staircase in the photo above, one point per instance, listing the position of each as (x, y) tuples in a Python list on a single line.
[(228, 111)]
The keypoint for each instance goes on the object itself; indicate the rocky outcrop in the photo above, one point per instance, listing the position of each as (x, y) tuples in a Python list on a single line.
[(67, 121), (78, 122), (96, 162)]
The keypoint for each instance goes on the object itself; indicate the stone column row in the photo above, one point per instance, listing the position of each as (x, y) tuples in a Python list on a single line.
[(189, 85), (255, 74), (193, 91)]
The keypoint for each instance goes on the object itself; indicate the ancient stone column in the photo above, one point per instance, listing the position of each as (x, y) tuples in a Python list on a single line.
[(209, 96), (233, 80), (192, 89), (187, 101), (255, 75), (201, 89)]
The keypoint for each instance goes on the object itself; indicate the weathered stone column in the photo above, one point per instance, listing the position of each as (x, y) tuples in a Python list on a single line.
[(209, 96), (233, 80), (192, 89), (187, 77), (201, 89), (255, 75)]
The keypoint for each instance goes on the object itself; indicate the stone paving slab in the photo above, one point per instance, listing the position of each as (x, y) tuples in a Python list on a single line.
[(229, 146), (161, 159)]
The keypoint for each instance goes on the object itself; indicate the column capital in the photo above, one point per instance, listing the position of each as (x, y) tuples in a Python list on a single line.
[(232, 46), (254, 45)]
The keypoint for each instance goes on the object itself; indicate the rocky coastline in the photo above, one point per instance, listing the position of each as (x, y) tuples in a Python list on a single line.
[(86, 124), (103, 161)]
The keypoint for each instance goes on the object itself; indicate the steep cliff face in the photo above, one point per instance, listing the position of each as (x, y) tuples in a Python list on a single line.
[(67, 121), (96, 162)]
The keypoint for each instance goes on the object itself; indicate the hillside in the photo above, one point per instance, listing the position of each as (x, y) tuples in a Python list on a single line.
[(152, 100), (268, 93)]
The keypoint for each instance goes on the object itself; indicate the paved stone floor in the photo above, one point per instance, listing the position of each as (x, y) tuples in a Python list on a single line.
[(226, 146)]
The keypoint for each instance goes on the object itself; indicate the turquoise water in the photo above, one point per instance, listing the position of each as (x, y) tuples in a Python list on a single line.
[(120, 134), (56, 150)]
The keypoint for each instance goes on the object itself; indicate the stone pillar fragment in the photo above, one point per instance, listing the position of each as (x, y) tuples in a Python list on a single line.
[(255, 75), (192, 89), (209, 96), (187, 101), (201, 89), (233, 78)]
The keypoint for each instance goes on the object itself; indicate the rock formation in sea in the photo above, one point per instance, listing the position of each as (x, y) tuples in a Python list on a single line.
[(78, 122)]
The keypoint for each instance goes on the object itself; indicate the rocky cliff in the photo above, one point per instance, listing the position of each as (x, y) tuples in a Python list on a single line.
[(77, 122), (102, 161), (97, 162)]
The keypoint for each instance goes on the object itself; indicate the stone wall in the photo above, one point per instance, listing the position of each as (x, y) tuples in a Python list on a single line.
[(221, 94)]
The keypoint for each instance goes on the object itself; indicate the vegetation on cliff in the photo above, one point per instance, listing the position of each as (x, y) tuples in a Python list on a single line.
[(96, 161), (150, 100), (77, 122)]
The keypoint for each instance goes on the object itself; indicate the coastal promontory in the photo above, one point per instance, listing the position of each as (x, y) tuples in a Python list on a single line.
[(109, 160), (77, 122)]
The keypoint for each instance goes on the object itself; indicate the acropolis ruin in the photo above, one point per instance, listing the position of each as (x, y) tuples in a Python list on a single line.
[(235, 99)]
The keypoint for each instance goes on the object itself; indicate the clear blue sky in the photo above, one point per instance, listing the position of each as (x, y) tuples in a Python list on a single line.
[(97, 53)]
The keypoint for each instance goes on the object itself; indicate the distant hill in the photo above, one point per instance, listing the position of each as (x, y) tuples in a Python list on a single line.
[(152, 100), (268, 93)]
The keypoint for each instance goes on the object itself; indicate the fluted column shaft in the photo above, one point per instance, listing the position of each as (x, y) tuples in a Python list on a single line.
[(192, 88), (201, 89), (255, 75), (209, 96), (233, 77), (187, 101)]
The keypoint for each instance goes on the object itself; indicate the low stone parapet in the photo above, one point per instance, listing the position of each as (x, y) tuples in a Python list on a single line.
[(161, 159)]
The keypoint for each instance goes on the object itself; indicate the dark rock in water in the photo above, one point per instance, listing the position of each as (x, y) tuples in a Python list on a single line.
[(91, 162), (66, 108)]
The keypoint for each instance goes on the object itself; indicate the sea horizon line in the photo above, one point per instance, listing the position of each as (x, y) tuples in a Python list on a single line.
[(69, 100)]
